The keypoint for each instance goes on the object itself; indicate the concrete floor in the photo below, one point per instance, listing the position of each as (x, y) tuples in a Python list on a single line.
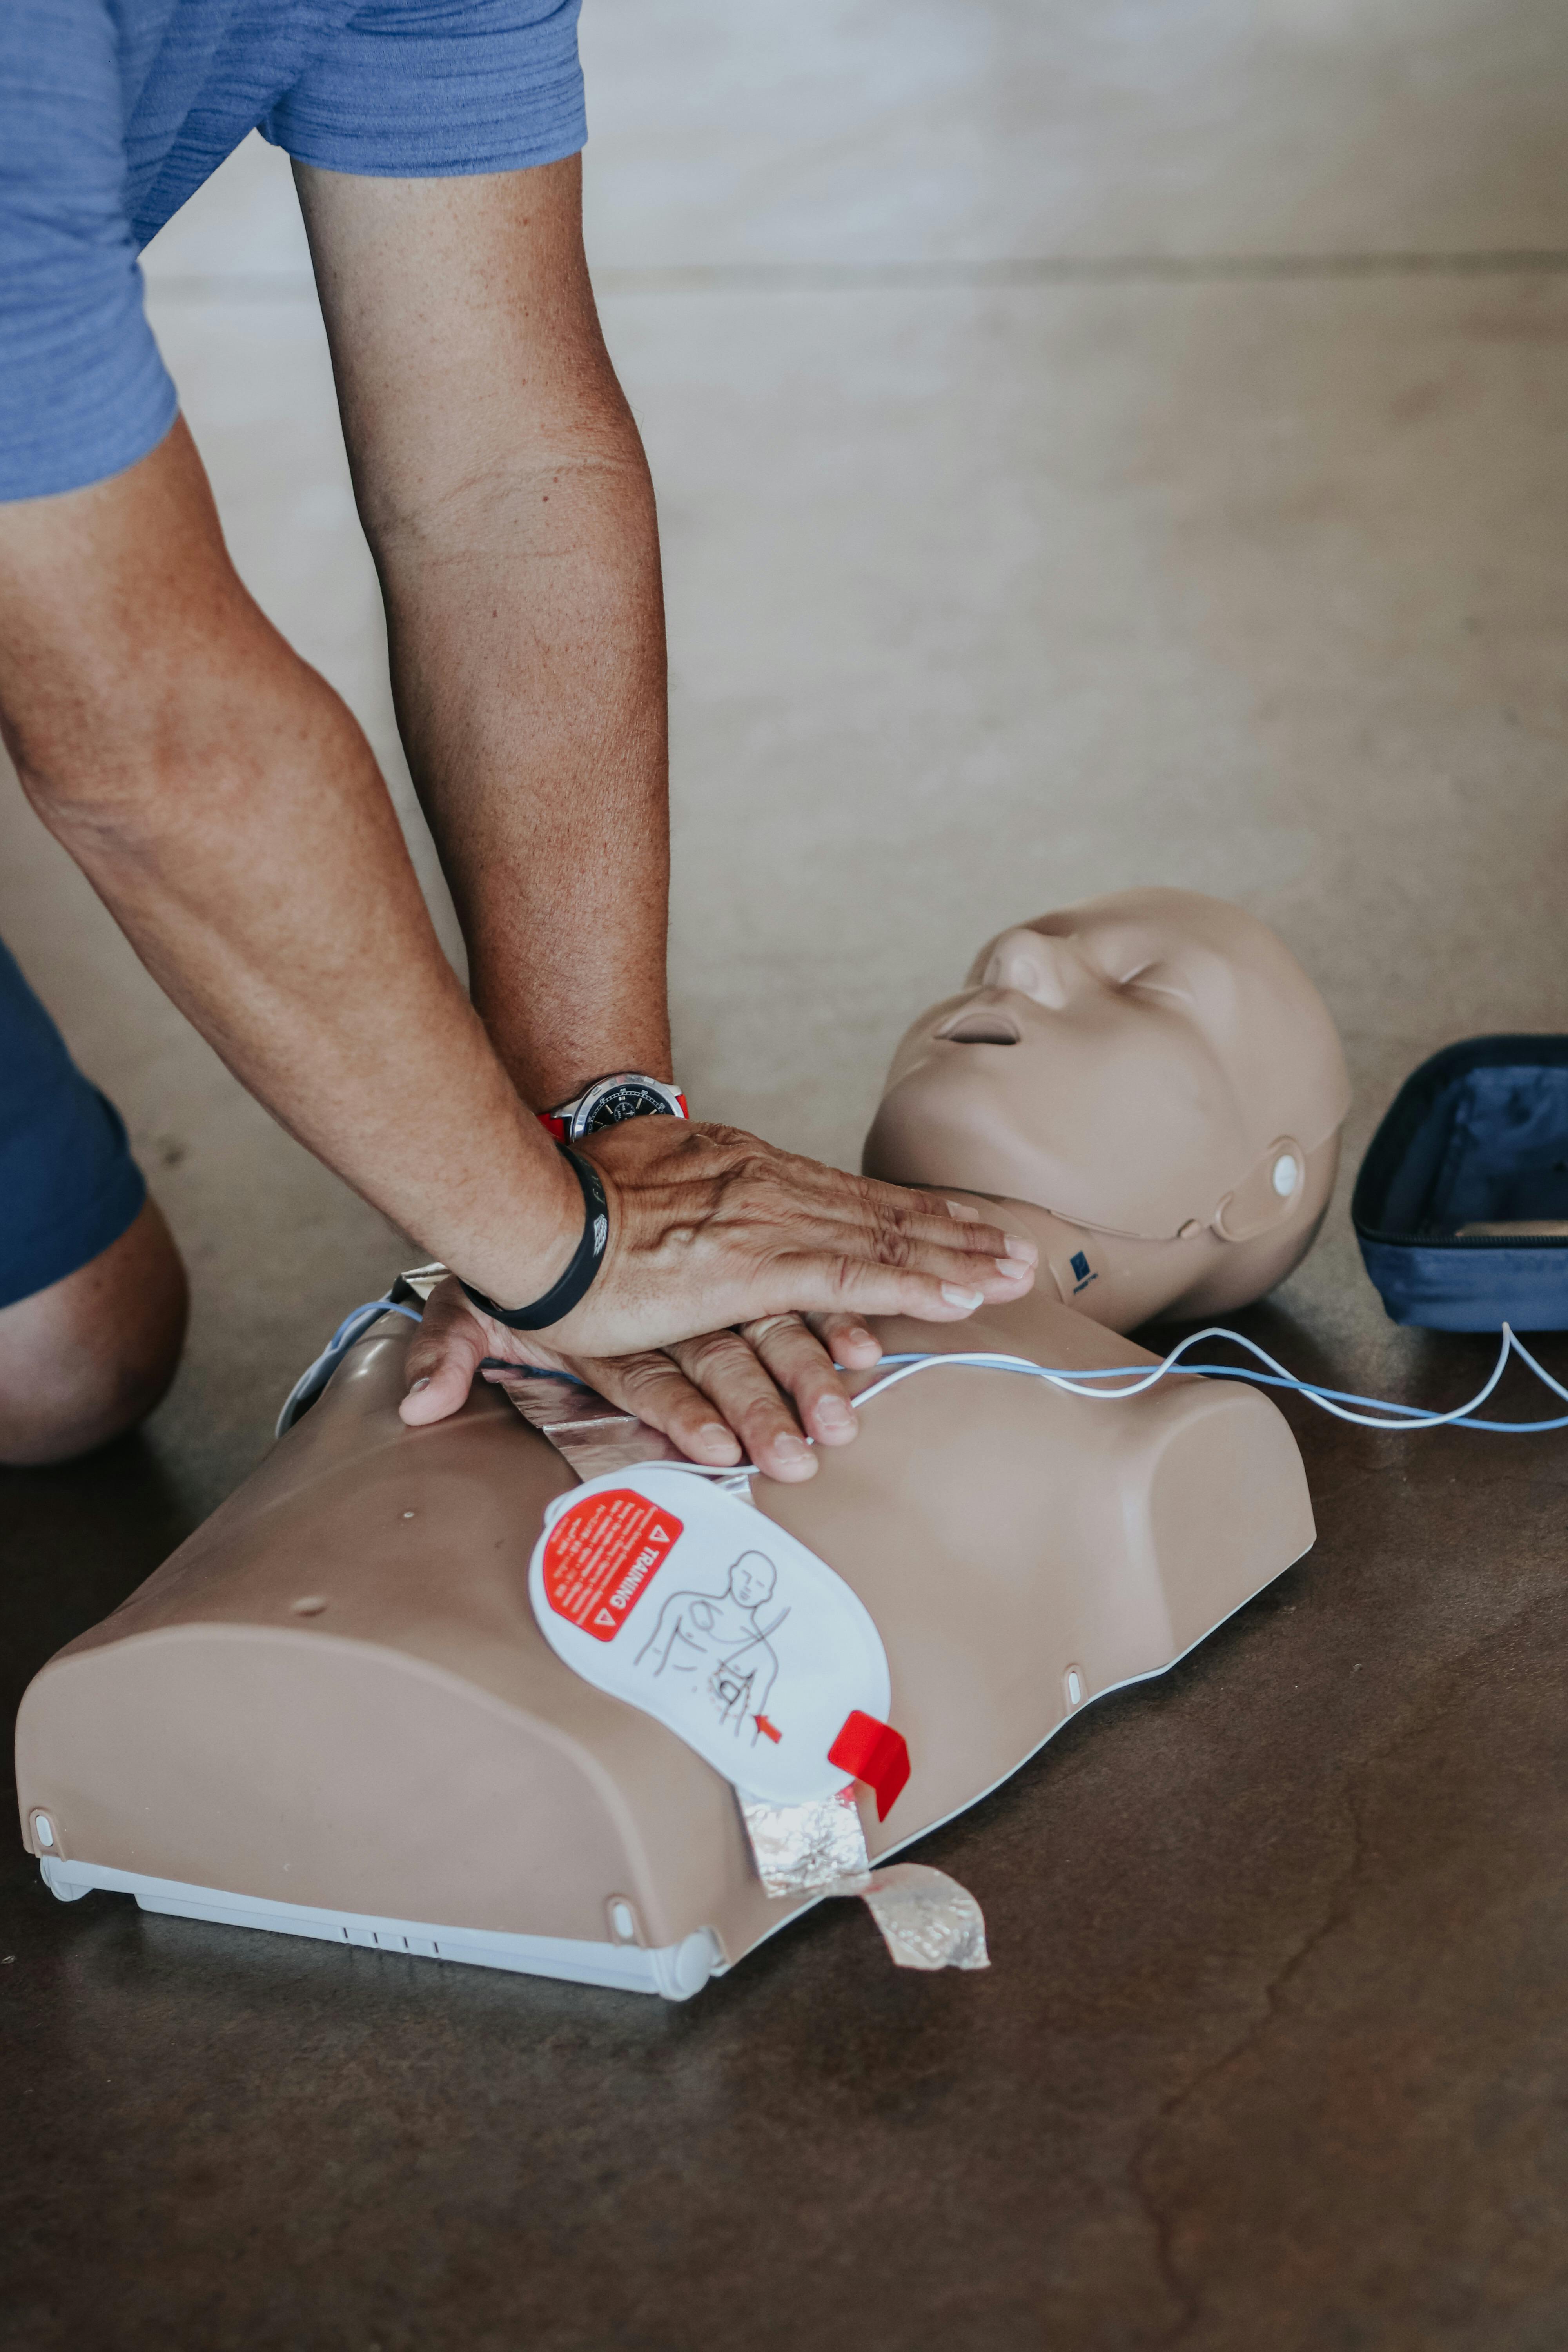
[(1094, 445)]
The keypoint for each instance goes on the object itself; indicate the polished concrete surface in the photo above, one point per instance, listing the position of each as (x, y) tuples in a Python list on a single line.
[(1094, 446)]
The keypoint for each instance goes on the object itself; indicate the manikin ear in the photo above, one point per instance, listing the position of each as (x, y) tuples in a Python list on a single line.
[(1032, 964), (1267, 1196)]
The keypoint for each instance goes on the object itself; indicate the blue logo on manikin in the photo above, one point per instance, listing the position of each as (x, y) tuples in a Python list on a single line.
[(1080, 1265)]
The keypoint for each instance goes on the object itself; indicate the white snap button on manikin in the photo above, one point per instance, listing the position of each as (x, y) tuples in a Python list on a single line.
[(623, 1919), (45, 1828), (1285, 1174)]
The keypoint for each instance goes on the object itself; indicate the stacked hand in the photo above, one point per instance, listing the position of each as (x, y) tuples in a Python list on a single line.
[(737, 1276)]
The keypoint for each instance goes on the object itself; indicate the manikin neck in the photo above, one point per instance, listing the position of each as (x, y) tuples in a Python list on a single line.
[(1116, 1280), (1120, 1281)]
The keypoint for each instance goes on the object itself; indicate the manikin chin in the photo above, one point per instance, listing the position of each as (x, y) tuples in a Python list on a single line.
[(333, 1713)]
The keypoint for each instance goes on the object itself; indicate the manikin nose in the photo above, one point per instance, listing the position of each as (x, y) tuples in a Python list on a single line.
[(1031, 963)]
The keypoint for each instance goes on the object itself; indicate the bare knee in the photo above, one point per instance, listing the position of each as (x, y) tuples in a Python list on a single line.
[(87, 1359)]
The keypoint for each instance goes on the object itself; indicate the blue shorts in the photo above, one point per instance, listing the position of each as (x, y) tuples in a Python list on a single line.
[(113, 112), (68, 1185)]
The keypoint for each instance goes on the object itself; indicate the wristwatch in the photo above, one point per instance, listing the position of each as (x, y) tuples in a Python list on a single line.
[(627, 1094)]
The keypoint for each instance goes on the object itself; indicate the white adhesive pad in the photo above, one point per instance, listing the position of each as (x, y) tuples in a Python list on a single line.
[(664, 1590)]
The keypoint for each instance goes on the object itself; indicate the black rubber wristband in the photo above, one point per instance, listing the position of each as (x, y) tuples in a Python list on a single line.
[(587, 1258)]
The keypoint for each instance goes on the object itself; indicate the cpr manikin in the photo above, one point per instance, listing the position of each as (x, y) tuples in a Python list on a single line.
[(1151, 1084), (333, 1710)]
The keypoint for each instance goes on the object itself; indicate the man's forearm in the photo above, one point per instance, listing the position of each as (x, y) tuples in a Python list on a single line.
[(527, 641), (504, 490), (227, 807)]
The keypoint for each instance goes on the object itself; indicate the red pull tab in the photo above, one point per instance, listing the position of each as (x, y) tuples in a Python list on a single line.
[(873, 1752)]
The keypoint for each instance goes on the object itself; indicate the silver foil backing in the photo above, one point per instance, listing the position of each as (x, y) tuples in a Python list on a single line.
[(800, 1849), (927, 1920), (594, 1436)]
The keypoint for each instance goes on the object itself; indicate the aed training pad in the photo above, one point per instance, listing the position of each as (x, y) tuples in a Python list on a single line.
[(1461, 1205)]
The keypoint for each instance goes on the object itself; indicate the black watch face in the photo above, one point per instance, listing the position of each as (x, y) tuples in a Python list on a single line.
[(632, 1100)]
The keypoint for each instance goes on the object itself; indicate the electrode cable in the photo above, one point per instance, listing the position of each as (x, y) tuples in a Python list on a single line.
[(314, 1378), (1401, 1419), (1378, 1412)]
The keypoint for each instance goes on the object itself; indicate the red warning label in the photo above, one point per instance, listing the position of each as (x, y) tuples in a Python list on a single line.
[(599, 1557)]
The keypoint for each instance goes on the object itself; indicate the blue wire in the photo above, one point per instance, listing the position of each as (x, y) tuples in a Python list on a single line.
[(534, 1371), (1346, 1396), (314, 1379)]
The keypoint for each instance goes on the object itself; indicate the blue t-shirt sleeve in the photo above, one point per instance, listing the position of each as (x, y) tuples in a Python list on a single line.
[(436, 89), (83, 392)]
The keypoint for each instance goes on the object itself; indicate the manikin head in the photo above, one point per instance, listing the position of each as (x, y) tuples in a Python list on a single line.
[(752, 1579), (1153, 1066)]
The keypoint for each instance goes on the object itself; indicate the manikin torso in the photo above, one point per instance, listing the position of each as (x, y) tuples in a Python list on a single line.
[(335, 1694)]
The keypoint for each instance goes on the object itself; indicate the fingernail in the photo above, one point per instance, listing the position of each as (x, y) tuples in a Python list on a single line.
[(1025, 1250), (963, 1213), (420, 1384), (834, 1413), (789, 1459), (713, 1435), (957, 1297), (1012, 1272)]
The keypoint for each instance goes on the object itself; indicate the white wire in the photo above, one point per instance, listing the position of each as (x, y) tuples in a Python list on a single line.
[(1540, 1370), (736, 1479), (1383, 1412), (1387, 1416)]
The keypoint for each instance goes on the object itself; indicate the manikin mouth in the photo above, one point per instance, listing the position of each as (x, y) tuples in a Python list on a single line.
[(989, 1025)]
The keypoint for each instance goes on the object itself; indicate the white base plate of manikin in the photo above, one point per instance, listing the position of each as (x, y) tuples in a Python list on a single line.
[(676, 1970)]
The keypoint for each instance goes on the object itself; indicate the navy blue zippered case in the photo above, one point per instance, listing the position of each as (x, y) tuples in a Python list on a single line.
[(1477, 1137)]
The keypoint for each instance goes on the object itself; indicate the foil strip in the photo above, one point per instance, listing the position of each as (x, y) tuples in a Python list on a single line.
[(593, 1435), (927, 1919), (801, 1849)]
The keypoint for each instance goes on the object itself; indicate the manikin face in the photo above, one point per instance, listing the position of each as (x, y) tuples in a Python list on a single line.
[(1126, 1063), (752, 1579)]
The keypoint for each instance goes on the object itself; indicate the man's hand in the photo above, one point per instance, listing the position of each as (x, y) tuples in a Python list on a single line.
[(736, 1276), (711, 1227), (726, 1397)]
